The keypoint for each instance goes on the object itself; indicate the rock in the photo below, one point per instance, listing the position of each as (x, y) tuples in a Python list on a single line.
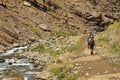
[(75, 72), (37, 62), (82, 71), (98, 73), (35, 65), (44, 76), (26, 3), (87, 74), (106, 20), (1, 49), (90, 68), (115, 68), (15, 44), (77, 64), (44, 27), (2, 60), (31, 61), (10, 63), (32, 39), (106, 72), (76, 0), (81, 66)]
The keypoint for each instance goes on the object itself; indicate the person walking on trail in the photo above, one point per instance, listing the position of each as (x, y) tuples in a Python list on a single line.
[(91, 42), (89, 38)]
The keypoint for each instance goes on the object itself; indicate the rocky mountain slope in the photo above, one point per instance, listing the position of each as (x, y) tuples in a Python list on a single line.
[(28, 20)]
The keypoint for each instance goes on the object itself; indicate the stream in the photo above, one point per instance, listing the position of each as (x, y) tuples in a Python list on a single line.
[(12, 66)]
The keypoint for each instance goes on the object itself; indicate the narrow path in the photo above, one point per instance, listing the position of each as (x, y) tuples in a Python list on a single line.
[(93, 67)]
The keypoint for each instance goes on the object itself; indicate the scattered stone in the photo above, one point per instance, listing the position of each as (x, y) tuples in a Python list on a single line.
[(98, 73), (10, 63), (16, 44), (2, 60), (37, 62), (44, 27), (90, 68), (77, 0), (82, 71), (106, 72), (35, 65), (87, 74), (77, 64), (31, 61), (75, 72), (81, 66), (115, 68), (26, 3), (44, 76), (1, 50)]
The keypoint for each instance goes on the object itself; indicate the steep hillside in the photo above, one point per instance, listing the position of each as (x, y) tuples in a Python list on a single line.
[(27, 21), (109, 43)]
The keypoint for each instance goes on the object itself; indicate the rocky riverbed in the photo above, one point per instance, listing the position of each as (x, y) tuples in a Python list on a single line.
[(22, 63), (14, 67)]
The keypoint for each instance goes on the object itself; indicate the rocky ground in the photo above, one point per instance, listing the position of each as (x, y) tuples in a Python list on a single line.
[(29, 20), (80, 66), (55, 32)]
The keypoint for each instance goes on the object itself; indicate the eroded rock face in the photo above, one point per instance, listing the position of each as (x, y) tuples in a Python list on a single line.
[(20, 21), (98, 12)]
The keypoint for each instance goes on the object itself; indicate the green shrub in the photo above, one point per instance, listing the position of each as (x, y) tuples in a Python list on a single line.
[(52, 52), (72, 48), (56, 70), (63, 33), (36, 31), (104, 39), (114, 26), (74, 76), (115, 46), (61, 76), (41, 49), (59, 61)]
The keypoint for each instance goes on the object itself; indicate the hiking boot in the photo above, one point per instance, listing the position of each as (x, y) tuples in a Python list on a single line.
[(91, 53)]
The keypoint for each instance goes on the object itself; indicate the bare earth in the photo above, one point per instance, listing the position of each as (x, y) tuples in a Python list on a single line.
[(96, 68)]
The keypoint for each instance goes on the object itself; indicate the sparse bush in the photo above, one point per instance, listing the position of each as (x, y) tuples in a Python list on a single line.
[(52, 52), (61, 76), (74, 76), (59, 61), (115, 46), (56, 70), (63, 33), (36, 31), (104, 39), (41, 49), (72, 48)]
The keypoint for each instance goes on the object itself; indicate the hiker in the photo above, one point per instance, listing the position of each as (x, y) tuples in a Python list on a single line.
[(91, 45), (89, 38)]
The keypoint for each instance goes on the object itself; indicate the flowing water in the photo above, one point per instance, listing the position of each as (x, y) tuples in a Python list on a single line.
[(12, 66)]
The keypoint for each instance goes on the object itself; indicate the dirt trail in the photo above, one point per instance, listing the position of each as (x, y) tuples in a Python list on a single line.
[(93, 67), (90, 67)]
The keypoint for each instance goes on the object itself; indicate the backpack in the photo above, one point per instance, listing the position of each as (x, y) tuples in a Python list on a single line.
[(90, 38)]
